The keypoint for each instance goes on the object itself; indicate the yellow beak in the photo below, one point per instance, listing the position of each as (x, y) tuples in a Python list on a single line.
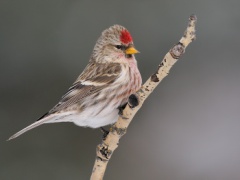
[(131, 50)]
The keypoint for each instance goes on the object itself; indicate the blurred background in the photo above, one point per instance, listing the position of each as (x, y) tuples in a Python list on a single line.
[(188, 129)]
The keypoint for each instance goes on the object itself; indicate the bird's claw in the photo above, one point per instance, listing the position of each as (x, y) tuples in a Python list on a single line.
[(121, 108)]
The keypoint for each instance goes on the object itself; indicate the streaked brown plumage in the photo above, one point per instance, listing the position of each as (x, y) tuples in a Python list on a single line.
[(105, 84)]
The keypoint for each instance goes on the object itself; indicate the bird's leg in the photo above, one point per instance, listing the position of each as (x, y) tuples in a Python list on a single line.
[(105, 133), (133, 101), (121, 108)]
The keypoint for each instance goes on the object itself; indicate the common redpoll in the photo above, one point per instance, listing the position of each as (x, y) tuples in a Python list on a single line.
[(105, 84)]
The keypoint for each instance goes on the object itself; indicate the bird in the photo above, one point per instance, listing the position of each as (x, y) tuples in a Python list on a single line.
[(104, 86)]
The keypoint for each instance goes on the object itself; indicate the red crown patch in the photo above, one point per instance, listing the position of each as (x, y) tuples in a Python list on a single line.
[(125, 37)]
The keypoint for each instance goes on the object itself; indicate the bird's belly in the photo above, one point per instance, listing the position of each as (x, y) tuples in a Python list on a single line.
[(88, 118)]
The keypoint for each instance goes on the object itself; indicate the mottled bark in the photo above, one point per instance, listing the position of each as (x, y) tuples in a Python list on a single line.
[(110, 143)]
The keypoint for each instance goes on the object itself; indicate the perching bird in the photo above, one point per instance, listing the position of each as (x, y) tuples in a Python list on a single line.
[(110, 77)]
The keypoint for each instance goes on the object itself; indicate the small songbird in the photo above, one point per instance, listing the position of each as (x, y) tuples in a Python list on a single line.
[(110, 77)]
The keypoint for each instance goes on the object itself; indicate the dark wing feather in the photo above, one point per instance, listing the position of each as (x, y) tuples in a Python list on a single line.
[(97, 75)]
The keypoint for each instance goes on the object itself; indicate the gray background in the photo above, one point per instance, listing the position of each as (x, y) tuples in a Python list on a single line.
[(188, 129)]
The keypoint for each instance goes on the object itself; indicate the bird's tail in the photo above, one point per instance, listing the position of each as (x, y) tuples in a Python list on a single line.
[(61, 117), (36, 124)]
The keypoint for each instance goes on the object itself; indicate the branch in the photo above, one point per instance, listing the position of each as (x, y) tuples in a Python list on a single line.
[(110, 143)]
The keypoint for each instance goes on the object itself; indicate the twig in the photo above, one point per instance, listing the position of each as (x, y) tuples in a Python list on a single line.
[(110, 143)]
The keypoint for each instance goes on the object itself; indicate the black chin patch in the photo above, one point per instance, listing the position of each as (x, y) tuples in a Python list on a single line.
[(128, 55)]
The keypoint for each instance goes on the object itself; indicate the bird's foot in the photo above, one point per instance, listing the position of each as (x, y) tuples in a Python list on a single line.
[(121, 108), (120, 113)]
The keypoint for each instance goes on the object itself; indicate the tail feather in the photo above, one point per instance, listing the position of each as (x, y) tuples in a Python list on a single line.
[(61, 117), (36, 124)]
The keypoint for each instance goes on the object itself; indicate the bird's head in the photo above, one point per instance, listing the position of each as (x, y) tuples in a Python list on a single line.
[(114, 45)]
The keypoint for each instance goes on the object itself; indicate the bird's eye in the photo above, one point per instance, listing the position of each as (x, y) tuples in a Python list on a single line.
[(119, 47)]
